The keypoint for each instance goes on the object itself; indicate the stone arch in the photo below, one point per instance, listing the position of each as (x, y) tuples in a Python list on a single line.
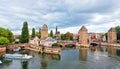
[(70, 45)]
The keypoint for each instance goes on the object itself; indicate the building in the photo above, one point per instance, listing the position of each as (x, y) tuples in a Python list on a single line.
[(48, 42), (96, 37), (112, 36), (35, 41), (17, 38), (75, 36), (44, 32), (83, 35), (57, 33)]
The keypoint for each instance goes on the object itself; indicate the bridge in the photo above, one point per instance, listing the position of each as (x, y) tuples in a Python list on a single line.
[(65, 43)]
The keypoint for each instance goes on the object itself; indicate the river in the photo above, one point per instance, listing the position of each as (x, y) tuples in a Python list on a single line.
[(94, 58)]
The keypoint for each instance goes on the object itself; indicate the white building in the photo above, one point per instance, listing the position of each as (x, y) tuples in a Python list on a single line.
[(48, 42), (35, 41)]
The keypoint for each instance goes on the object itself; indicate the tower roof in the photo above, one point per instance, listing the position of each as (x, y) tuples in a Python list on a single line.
[(83, 28), (44, 26), (112, 30)]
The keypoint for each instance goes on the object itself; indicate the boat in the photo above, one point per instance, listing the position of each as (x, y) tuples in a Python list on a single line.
[(17, 56), (0, 62), (27, 56), (16, 49)]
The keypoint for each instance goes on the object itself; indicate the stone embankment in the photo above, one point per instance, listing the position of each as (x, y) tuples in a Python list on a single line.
[(52, 50), (111, 45)]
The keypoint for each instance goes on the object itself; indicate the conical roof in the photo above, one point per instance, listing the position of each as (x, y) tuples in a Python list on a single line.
[(83, 28), (112, 30), (44, 27)]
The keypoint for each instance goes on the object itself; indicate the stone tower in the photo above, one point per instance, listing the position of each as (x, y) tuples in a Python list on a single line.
[(83, 35), (112, 36), (44, 31)]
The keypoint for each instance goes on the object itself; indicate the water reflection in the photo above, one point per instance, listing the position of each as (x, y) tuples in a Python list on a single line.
[(83, 54), (118, 52), (43, 62), (111, 51), (91, 58), (24, 64)]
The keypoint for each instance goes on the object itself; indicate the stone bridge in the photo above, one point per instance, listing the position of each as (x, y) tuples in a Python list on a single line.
[(64, 43)]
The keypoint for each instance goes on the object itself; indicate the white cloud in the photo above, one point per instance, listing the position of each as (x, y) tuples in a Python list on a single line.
[(69, 15)]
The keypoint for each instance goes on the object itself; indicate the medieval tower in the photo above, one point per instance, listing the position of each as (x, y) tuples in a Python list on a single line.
[(83, 35), (112, 36), (44, 31)]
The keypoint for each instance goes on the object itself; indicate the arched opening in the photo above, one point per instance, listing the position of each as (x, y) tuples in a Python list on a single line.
[(93, 44), (70, 45)]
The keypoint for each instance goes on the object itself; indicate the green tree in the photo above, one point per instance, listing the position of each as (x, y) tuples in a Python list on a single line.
[(7, 34), (4, 40), (67, 36), (118, 32), (38, 34), (33, 32), (24, 38), (106, 35), (63, 37), (51, 33), (10, 36), (71, 36)]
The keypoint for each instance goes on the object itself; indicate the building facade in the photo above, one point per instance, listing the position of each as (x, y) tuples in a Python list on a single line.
[(112, 35), (57, 33), (44, 32), (83, 35)]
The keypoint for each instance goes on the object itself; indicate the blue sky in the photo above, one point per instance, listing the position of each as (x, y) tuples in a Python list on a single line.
[(68, 15)]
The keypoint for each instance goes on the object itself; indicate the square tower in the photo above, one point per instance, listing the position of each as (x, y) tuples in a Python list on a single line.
[(83, 35), (44, 32), (112, 35)]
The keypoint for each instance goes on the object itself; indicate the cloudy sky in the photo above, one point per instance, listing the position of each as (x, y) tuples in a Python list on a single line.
[(68, 15)]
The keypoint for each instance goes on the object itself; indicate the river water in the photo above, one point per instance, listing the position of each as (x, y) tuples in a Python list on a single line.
[(94, 58)]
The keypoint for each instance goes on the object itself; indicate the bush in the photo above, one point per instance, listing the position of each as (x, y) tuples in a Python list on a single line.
[(56, 45), (4, 40)]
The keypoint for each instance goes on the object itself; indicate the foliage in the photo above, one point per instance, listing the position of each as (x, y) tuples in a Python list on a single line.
[(10, 36), (38, 34), (63, 37), (51, 33), (106, 35), (4, 40), (33, 32), (57, 44), (7, 34), (71, 36), (67, 36), (118, 32), (24, 38)]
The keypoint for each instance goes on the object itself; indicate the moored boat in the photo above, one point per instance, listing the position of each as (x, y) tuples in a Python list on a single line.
[(0, 62), (17, 56)]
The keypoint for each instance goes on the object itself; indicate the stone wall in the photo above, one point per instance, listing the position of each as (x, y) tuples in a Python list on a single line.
[(2, 50)]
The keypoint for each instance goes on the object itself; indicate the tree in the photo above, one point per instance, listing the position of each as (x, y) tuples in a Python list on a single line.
[(10, 36), (63, 37), (67, 36), (118, 32), (38, 34), (51, 33), (106, 35), (33, 32), (71, 36), (4, 40), (7, 34), (24, 38)]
